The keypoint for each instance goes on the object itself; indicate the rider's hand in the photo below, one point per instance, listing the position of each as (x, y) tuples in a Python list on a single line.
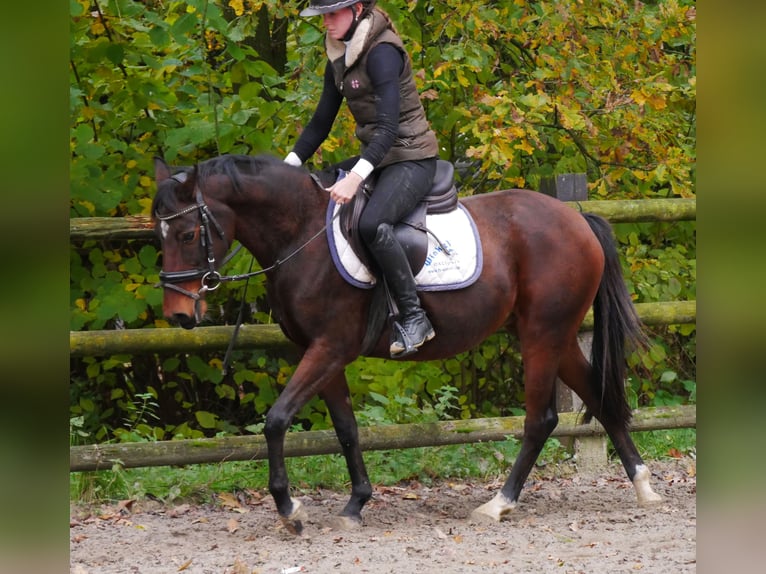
[(293, 159), (344, 190)]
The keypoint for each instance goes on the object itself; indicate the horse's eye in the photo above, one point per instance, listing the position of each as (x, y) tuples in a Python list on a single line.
[(188, 237)]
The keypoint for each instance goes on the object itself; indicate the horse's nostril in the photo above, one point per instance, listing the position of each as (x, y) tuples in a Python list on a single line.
[(183, 320)]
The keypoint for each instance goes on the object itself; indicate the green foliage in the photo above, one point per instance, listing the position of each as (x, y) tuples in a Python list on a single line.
[(515, 91), (664, 444)]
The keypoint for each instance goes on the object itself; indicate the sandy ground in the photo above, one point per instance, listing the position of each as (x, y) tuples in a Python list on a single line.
[(565, 523)]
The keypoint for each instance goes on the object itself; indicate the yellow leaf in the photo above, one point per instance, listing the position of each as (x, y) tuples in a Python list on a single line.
[(516, 132), (638, 97), (657, 102), (146, 205), (145, 181), (131, 164), (523, 145), (228, 499), (237, 6), (217, 363)]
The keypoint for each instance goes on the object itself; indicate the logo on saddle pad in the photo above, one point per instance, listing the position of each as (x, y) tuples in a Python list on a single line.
[(453, 258)]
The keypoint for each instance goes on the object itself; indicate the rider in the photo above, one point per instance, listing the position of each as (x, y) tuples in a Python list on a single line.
[(369, 67)]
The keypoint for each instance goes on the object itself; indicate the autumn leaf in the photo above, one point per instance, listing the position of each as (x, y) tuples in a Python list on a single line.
[(232, 525), (228, 499), (675, 453)]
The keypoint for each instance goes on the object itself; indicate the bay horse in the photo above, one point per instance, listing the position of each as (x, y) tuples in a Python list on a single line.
[(544, 265)]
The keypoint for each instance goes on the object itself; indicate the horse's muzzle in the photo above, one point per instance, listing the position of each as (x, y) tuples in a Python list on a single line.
[(183, 320)]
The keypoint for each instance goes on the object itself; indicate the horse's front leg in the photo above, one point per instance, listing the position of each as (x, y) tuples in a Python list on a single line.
[(337, 397), (313, 373)]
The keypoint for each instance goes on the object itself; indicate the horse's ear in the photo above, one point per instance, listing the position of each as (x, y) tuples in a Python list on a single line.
[(161, 170), (185, 189)]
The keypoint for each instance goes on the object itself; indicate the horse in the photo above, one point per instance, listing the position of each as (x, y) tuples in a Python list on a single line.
[(544, 266)]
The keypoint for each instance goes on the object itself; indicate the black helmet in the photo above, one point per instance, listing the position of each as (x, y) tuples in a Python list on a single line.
[(317, 7)]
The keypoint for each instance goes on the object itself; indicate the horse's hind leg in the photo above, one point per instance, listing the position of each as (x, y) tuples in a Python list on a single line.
[(338, 401), (540, 365), (576, 373)]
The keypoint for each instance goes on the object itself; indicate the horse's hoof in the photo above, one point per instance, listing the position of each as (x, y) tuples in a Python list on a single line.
[(345, 523), (644, 493), (649, 499), (294, 522), (494, 510)]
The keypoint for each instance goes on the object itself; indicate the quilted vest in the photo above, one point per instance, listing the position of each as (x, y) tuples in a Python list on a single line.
[(415, 139)]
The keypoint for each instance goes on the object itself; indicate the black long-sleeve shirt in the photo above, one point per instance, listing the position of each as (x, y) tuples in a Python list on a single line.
[(384, 65)]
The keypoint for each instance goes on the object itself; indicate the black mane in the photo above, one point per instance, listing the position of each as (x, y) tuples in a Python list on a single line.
[(234, 166)]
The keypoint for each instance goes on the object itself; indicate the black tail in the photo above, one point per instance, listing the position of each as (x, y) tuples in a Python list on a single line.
[(615, 324)]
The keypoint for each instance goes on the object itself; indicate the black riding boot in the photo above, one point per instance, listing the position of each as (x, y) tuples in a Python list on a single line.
[(413, 328)]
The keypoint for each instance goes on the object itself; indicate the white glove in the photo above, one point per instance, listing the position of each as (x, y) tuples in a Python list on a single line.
[(293, 159)]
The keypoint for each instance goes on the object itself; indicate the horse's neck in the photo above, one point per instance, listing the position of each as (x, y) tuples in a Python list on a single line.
[(279, 214)]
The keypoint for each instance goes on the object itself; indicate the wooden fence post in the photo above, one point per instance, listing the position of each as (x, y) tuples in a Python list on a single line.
[(590, 451)]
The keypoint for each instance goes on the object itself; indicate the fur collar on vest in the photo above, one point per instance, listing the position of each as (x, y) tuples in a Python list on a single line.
[(365, 30)]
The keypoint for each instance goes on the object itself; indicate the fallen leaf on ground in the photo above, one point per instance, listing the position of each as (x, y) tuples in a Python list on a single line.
[(675, 453), (229, 500), (125, 505), (179, 510), (239, 568)]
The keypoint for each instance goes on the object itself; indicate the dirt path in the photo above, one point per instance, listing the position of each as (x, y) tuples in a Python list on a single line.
[(563, 524)]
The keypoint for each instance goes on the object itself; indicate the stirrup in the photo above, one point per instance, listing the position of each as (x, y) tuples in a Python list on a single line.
[(402, 344)]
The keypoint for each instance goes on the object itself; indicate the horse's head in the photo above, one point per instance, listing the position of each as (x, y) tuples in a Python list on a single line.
[(194, 242)]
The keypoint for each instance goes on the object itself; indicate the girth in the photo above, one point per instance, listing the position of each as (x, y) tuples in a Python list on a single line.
[(411, 231)]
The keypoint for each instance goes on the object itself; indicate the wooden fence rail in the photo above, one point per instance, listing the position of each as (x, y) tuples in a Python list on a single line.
[(383, 437), (615, 210), (270, 337)]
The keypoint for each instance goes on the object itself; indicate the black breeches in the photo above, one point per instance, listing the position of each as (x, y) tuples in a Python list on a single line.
[(399, 188)]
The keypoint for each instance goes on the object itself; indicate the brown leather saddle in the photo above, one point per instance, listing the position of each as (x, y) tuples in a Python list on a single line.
[(411, 232)]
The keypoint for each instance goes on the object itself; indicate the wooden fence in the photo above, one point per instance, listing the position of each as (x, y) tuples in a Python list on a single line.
[(96, 343), (381, 437)]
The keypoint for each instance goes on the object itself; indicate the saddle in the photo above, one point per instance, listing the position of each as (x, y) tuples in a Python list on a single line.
[(411, 232)]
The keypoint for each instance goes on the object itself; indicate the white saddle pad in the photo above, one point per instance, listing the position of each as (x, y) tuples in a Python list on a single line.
[(453, 262)]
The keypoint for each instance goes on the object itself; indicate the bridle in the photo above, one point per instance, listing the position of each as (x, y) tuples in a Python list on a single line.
[(210, 277)]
